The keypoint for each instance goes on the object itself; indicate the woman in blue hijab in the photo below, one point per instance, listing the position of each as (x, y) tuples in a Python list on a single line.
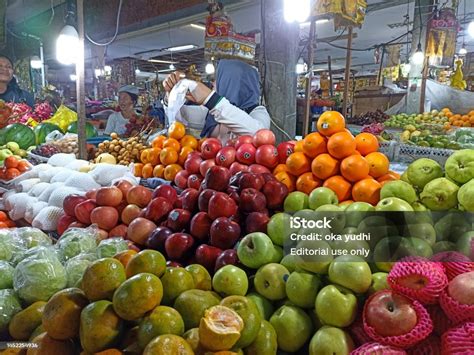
[(231, 110)]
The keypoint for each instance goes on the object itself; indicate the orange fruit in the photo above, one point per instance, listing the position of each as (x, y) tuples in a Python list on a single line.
[(367, 190), (280, 168), (177, 130), (298, 164), (150, 156), (10, 162), (125, 256), (307, 183), (168, 156), (183, 154), (158, 142), (378, 163), (137, 169), (346, 203), (465, 118), (189, 141), (172, 143), (287, 179), (366, 143), (331, 122), (3, 225), (3, 216), (147, 171), (447, 126), (390, 176), (10, 224), (324, 166), (355, 168), (298, 146), (466, 124), (448, 114), (471, 119), (341, 145), (340, 186), (314, 144), (159, 171), (171, 171)]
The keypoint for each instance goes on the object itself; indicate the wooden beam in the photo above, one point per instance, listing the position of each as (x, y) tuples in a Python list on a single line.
[(80, 85), (307, 109), (348, 73)]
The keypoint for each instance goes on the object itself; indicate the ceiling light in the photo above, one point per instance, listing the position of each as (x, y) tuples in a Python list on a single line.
[(161, 61), (323, 20), (470, 29), (418, 57), (36, 62), (73, 77), (463, 50), (98, 72), (137, 71), (172, 67), (164, 70), (198, 27), (67, 45), (210, 69), (301, 67), (296, 10), (186, 47)]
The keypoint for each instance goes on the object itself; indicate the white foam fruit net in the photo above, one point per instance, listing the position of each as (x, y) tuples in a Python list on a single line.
[(47, 219)]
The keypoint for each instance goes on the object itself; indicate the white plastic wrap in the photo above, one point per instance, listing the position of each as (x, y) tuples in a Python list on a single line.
[(27, 185), (62, 176), (58, 196), (82, 181), (47, 219), (77, 164), (47, 175), (104, 174), (33, 209), (177, 97), (38, 189), (19, 207), (61, 159), (47, 193)]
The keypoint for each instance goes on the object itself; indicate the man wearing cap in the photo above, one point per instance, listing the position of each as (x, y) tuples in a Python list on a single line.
[(116, 123), (9, 89)]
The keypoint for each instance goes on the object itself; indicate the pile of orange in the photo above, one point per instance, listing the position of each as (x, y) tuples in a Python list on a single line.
[(13, 167), (167, 154), (458, 120), (6, 222), (332, 157)]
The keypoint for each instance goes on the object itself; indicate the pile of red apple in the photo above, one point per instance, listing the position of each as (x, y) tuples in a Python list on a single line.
[(256, 154)]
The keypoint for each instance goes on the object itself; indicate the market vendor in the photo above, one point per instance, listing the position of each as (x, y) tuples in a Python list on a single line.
[(117, 122), (9, 89), (232, 110)]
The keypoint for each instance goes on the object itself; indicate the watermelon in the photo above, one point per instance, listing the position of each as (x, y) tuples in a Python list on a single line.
[(43, 129), (19, 133), (91, 131)]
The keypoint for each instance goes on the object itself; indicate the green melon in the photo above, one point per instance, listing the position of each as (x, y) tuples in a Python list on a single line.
[(43, 129), (19, 133), (91, 131)]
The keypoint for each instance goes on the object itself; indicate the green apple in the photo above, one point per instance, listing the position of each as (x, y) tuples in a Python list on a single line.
[(175, 281), (331, 341), (266, 341), (404, 177), (418, 217), (293, 327), (423, 231), (255, 250), (419, 207), (445, 245), (394, 248), (379, 282), (270, 280), (302, 288), (352, 246), (248, 311), (393, 204), (356, 212), (278, 228), (322, 196), (5, 153), (399, 189), (315, 263), (465, 244), (377, 227), (291, 262), (466, 196), (336, 306), (440, 195), (295, 201), (277, 254), (264, 306), (202, 279), (460, 166), (352, 272), (422, 171), (230, 280), (451, 226), (335, 214)]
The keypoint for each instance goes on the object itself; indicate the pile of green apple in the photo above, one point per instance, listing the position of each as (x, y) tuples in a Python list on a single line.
[(418, 120), (9, 149)]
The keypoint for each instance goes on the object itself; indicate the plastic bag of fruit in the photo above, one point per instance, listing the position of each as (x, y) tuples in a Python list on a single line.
[(77, 241), (63, 117)]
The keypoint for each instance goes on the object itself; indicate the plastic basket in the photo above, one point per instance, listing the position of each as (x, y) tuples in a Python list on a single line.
[(408, 153), (388, 148)]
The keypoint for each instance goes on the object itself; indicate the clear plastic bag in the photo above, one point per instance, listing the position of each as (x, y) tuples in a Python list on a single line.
[(9, 306), (6, 275), (109, 247), (10, 245), (76, 267), (33, 237), (77, 241), (177, 97), (19, 208)]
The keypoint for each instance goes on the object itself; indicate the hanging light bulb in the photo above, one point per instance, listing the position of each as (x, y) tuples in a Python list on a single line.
[(137, 71), (418, 57), (108, 69), (67, 45), (210, 69), (36, 62), (73, 77), (296, 10), (301, 67), (470, 29), (172, 67), (463, 50)]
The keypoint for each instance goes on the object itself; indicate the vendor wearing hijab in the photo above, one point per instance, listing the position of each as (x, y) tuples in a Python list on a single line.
[(9, 89), (117, 122), (233, 109)]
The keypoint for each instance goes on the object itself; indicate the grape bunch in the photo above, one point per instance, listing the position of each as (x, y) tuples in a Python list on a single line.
[(374, 128), (369, 118), (46, 150)]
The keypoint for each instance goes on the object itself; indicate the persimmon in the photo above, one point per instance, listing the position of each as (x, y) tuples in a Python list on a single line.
[(341, 145), (307, 183), (366, 143), (159, 171), (171, 171), (177, 130), (172, 143), (340, 186), (314, 144), (331, 122), (367, 190), (378, 163), (168, 156), (324, 166), (355, 168), (298, 163), (23, 166)]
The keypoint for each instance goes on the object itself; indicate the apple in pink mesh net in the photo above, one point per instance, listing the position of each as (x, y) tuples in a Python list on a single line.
[(457, 300), (459, 340), (377, 349), (454, 263)]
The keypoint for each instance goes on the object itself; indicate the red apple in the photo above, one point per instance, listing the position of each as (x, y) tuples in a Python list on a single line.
[(129, 213), (224, 233), (236, 168), (181, 179), (227, 257), (158, 209), (124, 186), (390, 314), (200, 226), (189, 199), (64, 222), (192, 164), (251, 180), (194, 181), (206, 165), (246, 154), (121, 207), (179, 246), (70, 203), (233, 193), (256, 222), (157, 238), (83, 211), (268, 177), (210, 147), (221, 205), (203, 200), (139, 195), (231, 142), (170, 263), (285, 149), (105, 217), (178, 220), (206, 255), (461, 288), (246, 139), (119, 231), (91, 194), (217, 178), (109, 196), (258, 169), (252, 200), (275, 193), (166, 191), (139, 230), (225, 157), (262, 137), (77, 225), (267, 155)]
